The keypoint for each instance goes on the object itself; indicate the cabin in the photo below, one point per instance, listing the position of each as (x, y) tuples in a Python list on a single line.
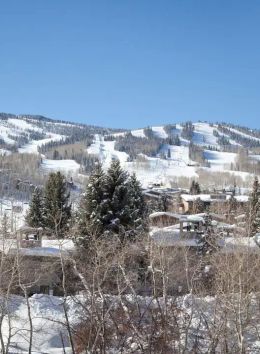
[(186, 225), (30, 237), (39, 260), (207, 200)]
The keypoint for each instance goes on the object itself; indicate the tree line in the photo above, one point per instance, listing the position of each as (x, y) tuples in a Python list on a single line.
[(112, 204)]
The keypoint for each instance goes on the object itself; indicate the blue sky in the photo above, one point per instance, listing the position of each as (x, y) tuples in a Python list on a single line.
[(131, 63)]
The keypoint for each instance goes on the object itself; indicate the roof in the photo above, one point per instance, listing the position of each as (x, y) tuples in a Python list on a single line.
[(210, 198), (169, 237), (50, 248), (180, 217)]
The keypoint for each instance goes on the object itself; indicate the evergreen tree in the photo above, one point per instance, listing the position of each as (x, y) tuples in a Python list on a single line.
[(208, 244), (115, 207), (113, 202), (253, 216), (198, 206), (207, 241), (5, 225), (162, 204), (232, 205), (90, 211), (35, 215), (195, 188), (136, 203), (57, 209)]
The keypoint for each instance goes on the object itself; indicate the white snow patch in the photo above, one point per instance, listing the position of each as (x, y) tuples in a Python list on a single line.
[(159, 132), (139, 133), (220, 160), (60, 165), (203, 134), (32, 147)]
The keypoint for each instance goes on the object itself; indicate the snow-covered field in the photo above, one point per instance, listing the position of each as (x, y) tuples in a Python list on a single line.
[(220, 160), (48, 320), (203, 134), (32, 147), (23, 125), (199, 323), (138, 133), (66, 166), (160, 132), (106, 151), (179, 154)]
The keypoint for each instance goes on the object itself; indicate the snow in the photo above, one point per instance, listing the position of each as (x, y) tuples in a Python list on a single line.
[(49, 248), (219, 160), (32, 146), (150, 169), (203, 134), (190, 198), (170, 236), (60, 165), (255, 157), (179, 154), (156, 170), (159, 132), (210, 198), (139, 133), (248, 136), (6, 208), (106, 152), (22, 124), (49, 324), (198, 318), (186, 218), (4, 132), (4, 152)]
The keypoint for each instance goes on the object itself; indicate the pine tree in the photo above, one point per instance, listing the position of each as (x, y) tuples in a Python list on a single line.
[(5, 225), (253, 216), (198, 206), (232, 205), (113, 202), (90, 211), (208, 244), (136, 204), (35, 215), (195, 188), (207, 241), (115, 208), (57, 208), (162, 204)]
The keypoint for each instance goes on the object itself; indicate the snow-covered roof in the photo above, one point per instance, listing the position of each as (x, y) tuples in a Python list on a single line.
[(170, 237), (49, 248), (190, 218), (210, 197)]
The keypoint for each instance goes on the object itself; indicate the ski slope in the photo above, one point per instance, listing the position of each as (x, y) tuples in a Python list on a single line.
[(203, 134), (179, 154), (32, 146), (106, 152), (220, 160), (66, 166), (159, 132), (248, 136), (22, 124), (139, 133), (149, 169)]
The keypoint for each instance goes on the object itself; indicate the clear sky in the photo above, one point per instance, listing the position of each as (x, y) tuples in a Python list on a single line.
[(131, 63)]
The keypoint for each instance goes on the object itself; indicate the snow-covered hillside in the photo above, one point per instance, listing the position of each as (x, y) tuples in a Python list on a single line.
[(148, 169), (173, 158)]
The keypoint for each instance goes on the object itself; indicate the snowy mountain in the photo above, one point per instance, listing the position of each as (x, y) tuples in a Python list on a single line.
[(157, 153)]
